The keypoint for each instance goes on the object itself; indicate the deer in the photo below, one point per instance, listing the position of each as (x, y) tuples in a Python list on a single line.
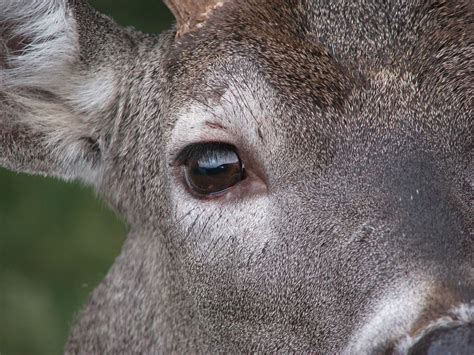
[(297, 175)]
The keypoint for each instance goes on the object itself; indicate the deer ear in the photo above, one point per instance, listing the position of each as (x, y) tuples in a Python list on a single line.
[(191, 14), (54, 96)]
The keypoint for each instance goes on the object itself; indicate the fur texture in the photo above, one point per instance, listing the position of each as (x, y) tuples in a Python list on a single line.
[(47, 93), (353, 229)]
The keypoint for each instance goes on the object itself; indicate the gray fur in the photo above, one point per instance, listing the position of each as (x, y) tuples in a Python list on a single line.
[(354, 118)]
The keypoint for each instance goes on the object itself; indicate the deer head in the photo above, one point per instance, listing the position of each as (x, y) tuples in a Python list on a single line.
[(297, 175)]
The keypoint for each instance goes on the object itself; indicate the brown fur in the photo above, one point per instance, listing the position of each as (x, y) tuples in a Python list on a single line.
[(355, 116)]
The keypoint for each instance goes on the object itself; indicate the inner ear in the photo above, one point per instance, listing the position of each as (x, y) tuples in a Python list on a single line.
[(15, 43), (92, 145), (11, 45)]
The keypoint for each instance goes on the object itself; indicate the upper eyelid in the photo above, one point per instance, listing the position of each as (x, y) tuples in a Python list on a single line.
[(187, 153), (198, 149), (196, 125)]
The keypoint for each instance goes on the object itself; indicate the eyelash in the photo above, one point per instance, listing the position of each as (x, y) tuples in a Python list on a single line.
[(195, 151)]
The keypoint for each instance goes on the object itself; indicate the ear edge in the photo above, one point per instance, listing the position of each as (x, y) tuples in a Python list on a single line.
[(44, 95)]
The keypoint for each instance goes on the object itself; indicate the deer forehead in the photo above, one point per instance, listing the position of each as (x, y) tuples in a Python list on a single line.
[(317, 75)]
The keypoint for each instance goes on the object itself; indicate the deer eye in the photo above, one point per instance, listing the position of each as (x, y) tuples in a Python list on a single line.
[(211, 168)]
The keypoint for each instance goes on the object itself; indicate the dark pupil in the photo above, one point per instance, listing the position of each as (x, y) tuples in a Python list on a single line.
[(214, 171)]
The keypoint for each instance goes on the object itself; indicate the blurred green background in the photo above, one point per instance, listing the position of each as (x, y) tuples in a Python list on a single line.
[(57, 241)]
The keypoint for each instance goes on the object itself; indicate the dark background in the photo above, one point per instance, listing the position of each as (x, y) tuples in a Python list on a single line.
[(57, 240)]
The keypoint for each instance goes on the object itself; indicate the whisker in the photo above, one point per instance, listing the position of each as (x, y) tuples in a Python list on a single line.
[(190, 229)]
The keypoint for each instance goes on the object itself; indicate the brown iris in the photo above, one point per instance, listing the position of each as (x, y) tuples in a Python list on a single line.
[(212, 168)]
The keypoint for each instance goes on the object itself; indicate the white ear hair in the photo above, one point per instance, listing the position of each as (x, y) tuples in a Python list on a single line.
[(48, 39), (43, 86), (50, 47)]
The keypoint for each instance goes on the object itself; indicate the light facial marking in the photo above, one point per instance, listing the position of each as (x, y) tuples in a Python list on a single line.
[(236, 119), (463, 314), (393, 316)]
